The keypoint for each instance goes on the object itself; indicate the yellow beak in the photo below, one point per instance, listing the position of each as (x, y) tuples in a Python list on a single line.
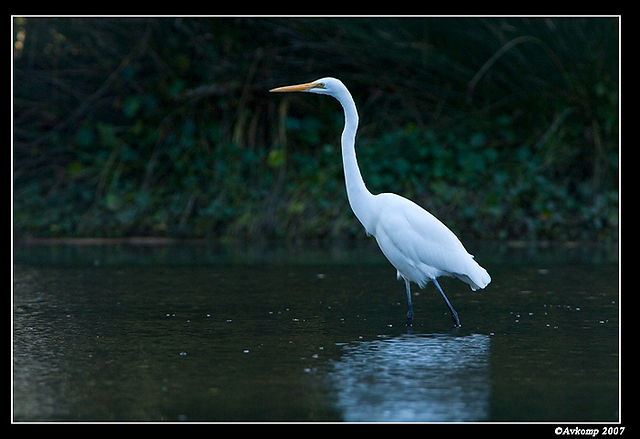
[(300, 87)]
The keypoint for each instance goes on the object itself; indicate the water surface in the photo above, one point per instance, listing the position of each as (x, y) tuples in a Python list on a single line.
[(310, 333)]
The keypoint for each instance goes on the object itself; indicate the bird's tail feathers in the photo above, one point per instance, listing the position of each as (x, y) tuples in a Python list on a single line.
[(476, 276)]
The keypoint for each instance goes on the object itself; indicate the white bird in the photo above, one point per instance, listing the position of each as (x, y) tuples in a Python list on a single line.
[(417, 244)]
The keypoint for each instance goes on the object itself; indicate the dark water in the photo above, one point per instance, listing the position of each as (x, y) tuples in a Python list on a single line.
[(201, 333)]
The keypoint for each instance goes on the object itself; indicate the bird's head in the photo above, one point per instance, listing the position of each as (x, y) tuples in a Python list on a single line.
[(323, 86)]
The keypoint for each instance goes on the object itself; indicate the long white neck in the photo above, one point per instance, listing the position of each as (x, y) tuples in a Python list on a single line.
[(359, 197)]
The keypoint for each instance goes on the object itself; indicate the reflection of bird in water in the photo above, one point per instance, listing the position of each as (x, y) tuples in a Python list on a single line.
[(416, 243), (414, 378)]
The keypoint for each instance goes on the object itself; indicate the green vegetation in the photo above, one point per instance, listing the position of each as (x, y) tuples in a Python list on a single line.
[(503, 128)]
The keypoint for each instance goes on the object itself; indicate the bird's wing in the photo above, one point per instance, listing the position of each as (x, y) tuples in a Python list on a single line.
[(414, 236)]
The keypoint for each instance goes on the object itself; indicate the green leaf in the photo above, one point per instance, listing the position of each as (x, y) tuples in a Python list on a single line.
[(275, 159), (84, 136), (75, 169), (131, 105)]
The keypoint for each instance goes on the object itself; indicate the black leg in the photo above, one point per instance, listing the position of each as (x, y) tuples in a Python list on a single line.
[(454, 314), (409, 306)]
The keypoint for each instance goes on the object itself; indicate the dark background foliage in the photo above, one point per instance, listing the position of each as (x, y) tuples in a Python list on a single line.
[(504, 128)]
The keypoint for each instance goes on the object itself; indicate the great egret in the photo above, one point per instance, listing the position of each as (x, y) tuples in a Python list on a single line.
[(416, 243)]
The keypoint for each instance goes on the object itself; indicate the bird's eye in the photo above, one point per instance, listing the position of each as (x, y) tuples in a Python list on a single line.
[(320, 85)]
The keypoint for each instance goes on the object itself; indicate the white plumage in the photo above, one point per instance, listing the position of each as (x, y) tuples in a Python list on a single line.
[(420, 247), (417, 244)]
